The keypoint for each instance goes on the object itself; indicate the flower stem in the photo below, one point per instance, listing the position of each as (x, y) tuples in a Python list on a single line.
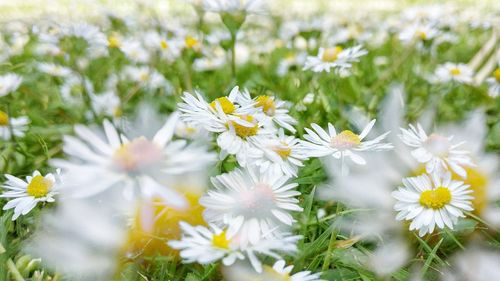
[(233, 55), (13, 271)]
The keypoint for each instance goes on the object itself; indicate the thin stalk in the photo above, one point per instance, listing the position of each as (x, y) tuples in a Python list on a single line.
[(233, 55), (13, 271)]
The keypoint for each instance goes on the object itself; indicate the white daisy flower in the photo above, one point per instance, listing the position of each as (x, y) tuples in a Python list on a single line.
[(335, 58), (430, 201), (96, 165), (241, 271), (418, 32), (134, 51), (147, 77), (12, 126), (9, 83), (437, 152), (493, 84), (107, 103), (54, 69), (448, 72), (344, 144), (251, 203), (237, 126), (204, 245), (25, 195), (168, 48), (196, 110), (188, 131), (234, 6), (273, 109), (285, 273), (282, 153)]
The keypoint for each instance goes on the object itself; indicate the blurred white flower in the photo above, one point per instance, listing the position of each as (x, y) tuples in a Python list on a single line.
[(241, 271), (449, 72), (54, 69), (12, 126), (82, 238), (335, 58), (475, 263), (138, 164), (9, 83), (234, 6), (430, 201), (388, 257), (251, 203), (290, 61), (483, 178), (134, 50), (418, 33), (107, 103), (188, 131), (23, 196), (147, 77), (319, 143), (494, 83), (437, 152)]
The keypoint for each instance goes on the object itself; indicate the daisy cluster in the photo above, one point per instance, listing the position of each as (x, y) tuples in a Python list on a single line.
[(239, 140)]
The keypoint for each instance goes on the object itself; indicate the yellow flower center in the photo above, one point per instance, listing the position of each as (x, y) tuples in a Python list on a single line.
[(331, 54), (154, 223), (243, 131), (143, 76), (220, 241), (271, 274), (227, 106), (435, 198), (478, 184), (455, 71), (267, 104), (190, 42), (118, 112), (38, 186), (496, 74), (4, 118), (422, 35), (164, 44), (283, 150), (114, 42), (138, 154), (346, 139)]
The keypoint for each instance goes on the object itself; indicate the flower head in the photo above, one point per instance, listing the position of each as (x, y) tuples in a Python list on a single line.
[(25, 195), (10, 126), (436, 151), (449, 72), (432, 200), (336, 58), (251, 203), (138, 163), (9, 83), (207, 245), (320, 143)]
